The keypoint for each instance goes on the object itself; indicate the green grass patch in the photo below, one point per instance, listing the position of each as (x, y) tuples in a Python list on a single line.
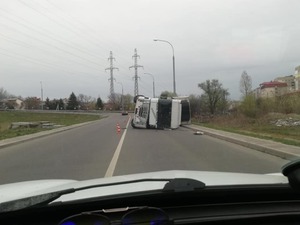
[(260, 127), (8, 117)]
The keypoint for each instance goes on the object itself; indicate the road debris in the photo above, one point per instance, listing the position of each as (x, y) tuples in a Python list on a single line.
[(198, 132), (289, 122)]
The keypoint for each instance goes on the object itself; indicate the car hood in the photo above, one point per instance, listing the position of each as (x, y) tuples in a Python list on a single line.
[(14, 191)]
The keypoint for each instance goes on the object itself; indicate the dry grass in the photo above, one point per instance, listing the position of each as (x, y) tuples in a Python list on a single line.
[(7, 117), (260, 127)]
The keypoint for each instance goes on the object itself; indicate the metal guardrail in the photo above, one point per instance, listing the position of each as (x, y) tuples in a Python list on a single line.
[(65, 111)]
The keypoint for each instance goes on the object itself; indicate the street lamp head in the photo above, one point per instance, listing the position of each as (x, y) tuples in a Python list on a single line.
[(155, 39)]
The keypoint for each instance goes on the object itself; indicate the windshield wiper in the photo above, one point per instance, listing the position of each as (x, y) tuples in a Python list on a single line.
[(172, 185)]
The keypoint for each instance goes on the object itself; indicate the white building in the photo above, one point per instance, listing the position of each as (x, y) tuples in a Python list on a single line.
[(272, 89), (297, 78), (12, 103)]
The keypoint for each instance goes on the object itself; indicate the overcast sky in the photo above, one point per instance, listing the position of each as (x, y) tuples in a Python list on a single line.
[(65, 44)]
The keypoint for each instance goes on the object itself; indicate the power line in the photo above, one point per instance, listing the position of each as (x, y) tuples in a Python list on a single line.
[(70, 29), (45, 33), (35, 61), (53, 46), (145, 88), (86, 26), (69, 25), (29, 46), (72, 24), (39, 12)]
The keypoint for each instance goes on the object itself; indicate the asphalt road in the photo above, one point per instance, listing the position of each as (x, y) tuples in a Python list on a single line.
[(97, 150)]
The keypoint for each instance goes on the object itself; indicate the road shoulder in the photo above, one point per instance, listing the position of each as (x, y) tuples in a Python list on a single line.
[(267, 146)]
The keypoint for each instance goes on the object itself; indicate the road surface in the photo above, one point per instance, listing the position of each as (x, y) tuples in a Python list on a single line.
[(98, 150)]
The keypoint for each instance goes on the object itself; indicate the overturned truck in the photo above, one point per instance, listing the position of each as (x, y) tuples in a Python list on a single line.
[(158, 113)]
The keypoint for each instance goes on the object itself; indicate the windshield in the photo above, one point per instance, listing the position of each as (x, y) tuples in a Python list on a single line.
[(92, 89)]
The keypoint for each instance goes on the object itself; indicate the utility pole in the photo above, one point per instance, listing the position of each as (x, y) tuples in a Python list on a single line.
[(111, 79), (42, 95), (153, 83), (173, 59), (136, 77)]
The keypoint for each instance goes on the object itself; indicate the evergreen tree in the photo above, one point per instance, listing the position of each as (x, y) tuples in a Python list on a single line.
[(99, 103), (47, 103), (61, 104), (72, 102)]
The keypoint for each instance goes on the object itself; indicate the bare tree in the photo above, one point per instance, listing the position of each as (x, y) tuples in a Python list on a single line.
[(166, 94), (114, 101), (215, 96), (32, 103), (245, 84), (86, 101), (128, 102), (195, 104), (4, 94)]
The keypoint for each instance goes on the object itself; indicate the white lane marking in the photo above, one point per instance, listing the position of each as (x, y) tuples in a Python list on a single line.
[(112, 166)]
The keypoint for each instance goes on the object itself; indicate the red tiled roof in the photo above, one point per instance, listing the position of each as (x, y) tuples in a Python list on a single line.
[(273, 84)]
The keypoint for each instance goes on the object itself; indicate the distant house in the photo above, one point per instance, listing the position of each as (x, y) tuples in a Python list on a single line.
[(297, 78), (272, 89), (284, 85), (297, 71), (2, 104), (256, 92), (12, 103), (289, 80)]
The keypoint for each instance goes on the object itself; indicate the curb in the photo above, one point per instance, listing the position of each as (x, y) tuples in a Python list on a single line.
[(284, 151), (16, 140)]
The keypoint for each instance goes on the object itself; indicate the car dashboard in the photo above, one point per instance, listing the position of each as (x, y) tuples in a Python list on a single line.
[(243, 204)]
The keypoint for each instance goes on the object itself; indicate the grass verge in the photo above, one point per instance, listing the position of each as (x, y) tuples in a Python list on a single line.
[(8, 117), (259, 127)]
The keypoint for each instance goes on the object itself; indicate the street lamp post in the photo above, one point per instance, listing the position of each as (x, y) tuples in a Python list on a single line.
[(174, 84), (153, 83), (42, 97), (122, 96)]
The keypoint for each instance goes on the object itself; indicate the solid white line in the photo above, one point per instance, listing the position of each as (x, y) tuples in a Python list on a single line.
[(112, 166)]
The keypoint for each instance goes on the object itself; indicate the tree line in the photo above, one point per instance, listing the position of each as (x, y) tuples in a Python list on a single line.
[(80, 102), (214, 100), (74, 102)]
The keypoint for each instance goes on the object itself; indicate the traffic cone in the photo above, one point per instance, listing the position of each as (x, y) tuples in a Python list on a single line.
[(118, 129)]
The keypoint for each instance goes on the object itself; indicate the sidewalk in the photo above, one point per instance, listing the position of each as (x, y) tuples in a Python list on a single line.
[(284, 151)]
